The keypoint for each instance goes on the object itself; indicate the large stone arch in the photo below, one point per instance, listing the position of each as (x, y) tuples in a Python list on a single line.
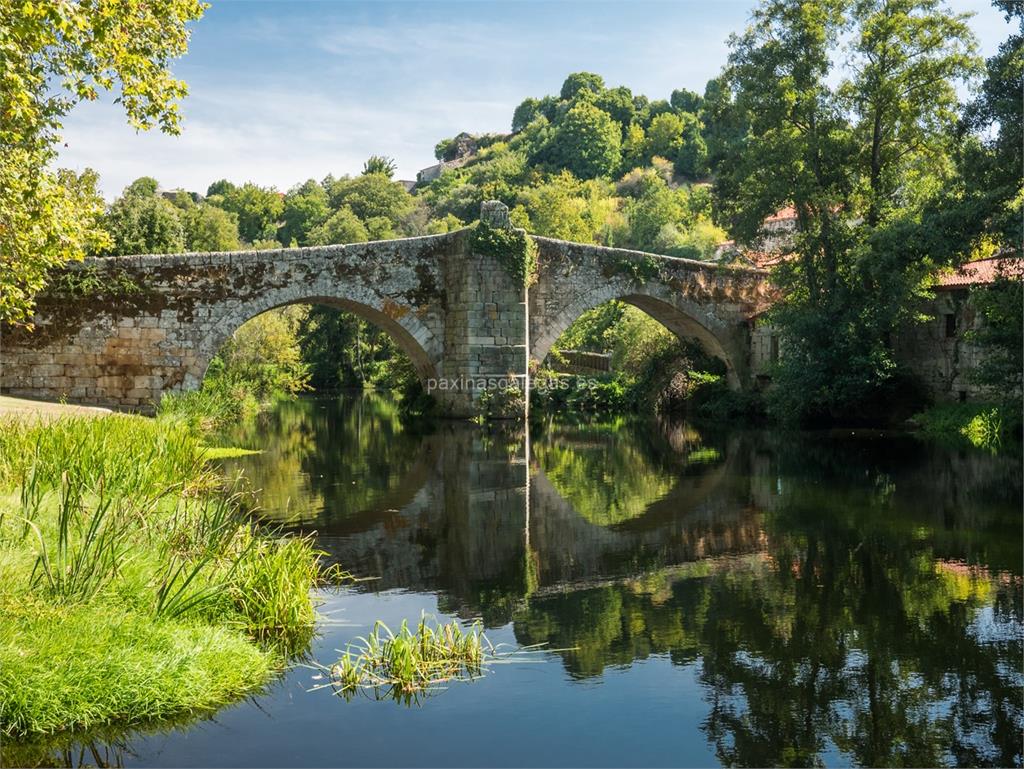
[(412, 335)]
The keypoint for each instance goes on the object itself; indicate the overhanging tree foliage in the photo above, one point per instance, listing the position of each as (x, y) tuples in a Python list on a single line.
[(53, 56)]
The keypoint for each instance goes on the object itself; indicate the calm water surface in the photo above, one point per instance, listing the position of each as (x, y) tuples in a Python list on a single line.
[(731, 598)]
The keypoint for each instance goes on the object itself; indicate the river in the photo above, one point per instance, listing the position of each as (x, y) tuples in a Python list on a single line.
[(700, 596)]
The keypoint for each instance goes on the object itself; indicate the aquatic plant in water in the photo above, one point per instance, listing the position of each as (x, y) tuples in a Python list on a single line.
[(407, 664)]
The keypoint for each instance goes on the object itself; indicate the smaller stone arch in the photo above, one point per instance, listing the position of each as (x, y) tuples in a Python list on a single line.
[(684, 318)]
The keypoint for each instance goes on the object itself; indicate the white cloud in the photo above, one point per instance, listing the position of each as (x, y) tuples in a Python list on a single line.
[(464, 40)]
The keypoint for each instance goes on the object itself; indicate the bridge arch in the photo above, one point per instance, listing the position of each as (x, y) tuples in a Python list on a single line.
[(412, 336), (680, 316), (706, 302)]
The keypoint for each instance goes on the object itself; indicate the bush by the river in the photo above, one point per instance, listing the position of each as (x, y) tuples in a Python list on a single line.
[(985, 425), (132, 585)]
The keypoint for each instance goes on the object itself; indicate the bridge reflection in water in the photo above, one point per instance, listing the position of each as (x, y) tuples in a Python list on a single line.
[(856, 595)]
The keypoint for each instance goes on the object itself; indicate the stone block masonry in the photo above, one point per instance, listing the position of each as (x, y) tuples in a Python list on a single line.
[(122, 331)]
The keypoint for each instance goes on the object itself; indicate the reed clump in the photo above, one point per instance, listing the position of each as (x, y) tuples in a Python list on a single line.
[(409, 663), (133, 586)]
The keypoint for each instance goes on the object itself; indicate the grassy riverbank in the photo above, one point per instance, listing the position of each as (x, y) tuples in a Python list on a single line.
[(132, 586), (984, 425)]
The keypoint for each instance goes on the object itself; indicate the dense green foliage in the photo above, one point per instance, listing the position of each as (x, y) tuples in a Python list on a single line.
[(513, 248), (53, 56), (867, 156)]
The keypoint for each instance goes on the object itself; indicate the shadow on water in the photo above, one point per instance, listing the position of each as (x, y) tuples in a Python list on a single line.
[(745, 598)]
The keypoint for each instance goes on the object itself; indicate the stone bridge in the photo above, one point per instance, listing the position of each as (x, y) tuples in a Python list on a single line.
[(122, 331)]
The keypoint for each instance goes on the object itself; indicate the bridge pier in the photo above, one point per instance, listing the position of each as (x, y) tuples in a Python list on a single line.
[(486, 332)]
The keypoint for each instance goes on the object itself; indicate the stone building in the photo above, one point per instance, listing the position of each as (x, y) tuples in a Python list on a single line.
[(938, 350)]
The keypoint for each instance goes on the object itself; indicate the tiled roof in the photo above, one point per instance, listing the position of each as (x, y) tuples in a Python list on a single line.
[(782, 215), (982, 271)]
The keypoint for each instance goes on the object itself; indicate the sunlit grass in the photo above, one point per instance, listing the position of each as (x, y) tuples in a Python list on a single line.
[(411, 664), (132, 584), (980, 424), (227, 452)]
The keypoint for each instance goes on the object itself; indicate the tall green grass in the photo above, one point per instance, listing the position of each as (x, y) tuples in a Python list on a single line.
[(218, 403), (132, 584)]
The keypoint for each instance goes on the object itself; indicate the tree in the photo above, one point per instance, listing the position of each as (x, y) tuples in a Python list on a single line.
[(814, 145), (691, 160), (617, 102), (725, 125), (53, 56), (142, 222), (908, 56), (264, 353), (68, 207), (568, 209), (219, 187), (371, 195), (343, 226), (258, 209), (587, 142), (305, 206), (208, 228), (379, 164), (665, 136), (991, 168), (527, 111), (655, 205), (144, 186), (581, 81), (686, 101), (634, 147)]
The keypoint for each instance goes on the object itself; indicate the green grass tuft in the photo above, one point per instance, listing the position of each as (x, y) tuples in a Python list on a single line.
[(408, 663)]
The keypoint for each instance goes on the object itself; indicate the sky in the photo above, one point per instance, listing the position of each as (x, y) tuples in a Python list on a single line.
[(285, 91)]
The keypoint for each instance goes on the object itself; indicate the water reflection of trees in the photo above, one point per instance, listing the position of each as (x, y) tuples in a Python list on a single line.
[(329, 459), (610, 477), (872, 622), (852, 594)]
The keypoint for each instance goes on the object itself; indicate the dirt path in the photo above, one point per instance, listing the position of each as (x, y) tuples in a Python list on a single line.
[(29, 409)]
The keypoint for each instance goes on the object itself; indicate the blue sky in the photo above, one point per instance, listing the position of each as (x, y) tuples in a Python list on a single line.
[(284, 91)]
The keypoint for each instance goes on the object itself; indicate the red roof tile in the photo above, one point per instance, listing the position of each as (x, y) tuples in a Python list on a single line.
[(981, 272), (782, 215)]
